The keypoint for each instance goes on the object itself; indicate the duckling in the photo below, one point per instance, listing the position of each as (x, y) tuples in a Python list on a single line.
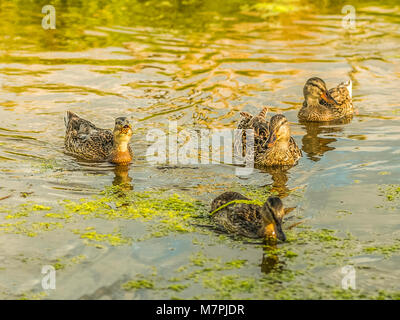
[(246, 219), (84, 140), (280, 149), (323, 105)]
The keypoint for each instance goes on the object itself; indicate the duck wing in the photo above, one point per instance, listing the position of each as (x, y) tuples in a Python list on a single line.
[(294, 150), (240, 218), (225, 198), (342, 93), (260, 127), (86, 140)]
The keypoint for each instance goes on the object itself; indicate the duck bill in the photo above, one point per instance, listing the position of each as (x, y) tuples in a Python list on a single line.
[(271, 140), (279, 232), (126, 129), (326, 96)]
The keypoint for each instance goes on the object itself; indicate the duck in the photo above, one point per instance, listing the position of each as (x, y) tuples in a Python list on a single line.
[(86, 141), (236, 214), (279, 149), (321, 104)]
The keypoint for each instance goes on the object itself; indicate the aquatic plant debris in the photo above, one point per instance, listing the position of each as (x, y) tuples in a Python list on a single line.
[(203, 276), (391, 192)]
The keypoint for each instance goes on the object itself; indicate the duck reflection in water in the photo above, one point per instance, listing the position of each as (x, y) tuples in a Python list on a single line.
[(122, 178), (270, 260), (314, 145), (279, 176)]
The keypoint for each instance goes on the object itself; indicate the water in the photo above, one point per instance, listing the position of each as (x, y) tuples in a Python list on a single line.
[(200, 72)]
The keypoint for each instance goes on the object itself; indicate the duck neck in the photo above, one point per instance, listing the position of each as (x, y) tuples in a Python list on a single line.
[(282, 143), (268, 231), (121, 146), (121, 152), (312, 101)]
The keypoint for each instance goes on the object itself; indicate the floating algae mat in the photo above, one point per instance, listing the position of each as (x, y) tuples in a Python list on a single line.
[(187, 259)]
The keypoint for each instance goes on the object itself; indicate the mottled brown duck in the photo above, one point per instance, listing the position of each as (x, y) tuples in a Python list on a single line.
[(234, 213), (323, 105), (280, 149), (86, 141)]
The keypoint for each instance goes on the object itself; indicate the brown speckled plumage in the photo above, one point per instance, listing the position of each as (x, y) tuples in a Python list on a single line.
[(280, 149), (259, 124), (268, 153), (86, 141), (249, 220), (323, 105)]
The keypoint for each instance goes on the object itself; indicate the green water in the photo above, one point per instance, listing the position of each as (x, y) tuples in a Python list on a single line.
[(198, 63)]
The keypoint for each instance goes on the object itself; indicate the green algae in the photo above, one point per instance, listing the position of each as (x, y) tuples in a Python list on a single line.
[(386, 250), (170, 213), (113, 239), (46, 165), (280, 283), (62, 215), (201, 270), (63, 263), (33, 295), (167, 213), (138, 284), (210, 274), (256, 193), (290, 254), (235, 263), (24, 210), (307, 235), (58, 266), (391, 192), (178, 287), (30, 229), (226, 286)]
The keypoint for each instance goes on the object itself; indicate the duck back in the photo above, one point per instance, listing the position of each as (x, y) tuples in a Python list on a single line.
[(85, 140)]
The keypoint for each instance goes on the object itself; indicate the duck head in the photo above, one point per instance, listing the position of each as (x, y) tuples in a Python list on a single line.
[(279, 130), (272, 212), (122, 133), (315, 90)]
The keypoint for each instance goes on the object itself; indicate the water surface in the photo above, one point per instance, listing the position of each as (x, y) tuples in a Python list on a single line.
[(199, 67)]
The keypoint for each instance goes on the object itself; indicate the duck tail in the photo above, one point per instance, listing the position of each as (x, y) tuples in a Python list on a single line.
[(68, 118), (263, 112), (245, 114), (349, 86)]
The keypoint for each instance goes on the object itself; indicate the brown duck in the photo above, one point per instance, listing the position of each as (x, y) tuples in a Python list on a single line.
[(247, 219), (323, 105), (273, 145), (280, 149), (86, 141)]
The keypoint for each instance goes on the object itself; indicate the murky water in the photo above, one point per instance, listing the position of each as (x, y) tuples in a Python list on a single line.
[(201, 76)]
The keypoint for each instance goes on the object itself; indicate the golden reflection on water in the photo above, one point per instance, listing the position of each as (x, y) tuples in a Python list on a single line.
[(122, 177), (316, 141), (270, 260)]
